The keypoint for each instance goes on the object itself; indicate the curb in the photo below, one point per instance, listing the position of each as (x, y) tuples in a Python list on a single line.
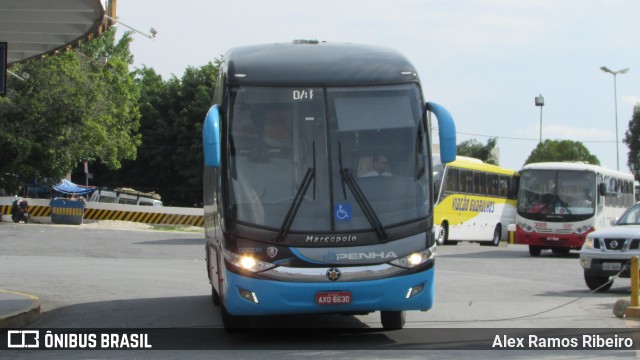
[(23, 316)]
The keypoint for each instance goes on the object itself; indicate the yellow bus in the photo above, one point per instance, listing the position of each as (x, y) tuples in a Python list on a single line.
[(475, 201)]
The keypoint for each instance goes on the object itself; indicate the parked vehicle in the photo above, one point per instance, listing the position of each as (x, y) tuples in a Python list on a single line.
[(126, 196), (608, 252), (559, 203), (20, 211), (476, 201)]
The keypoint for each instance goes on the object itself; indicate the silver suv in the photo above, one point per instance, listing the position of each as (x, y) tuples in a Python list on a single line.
[(608, 252)]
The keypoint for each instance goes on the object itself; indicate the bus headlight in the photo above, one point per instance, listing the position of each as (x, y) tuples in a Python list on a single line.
[(582, 229), (247, 262), (416, 259), (525, 227)]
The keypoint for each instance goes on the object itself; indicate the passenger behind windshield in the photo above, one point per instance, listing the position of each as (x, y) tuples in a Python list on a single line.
[(581, 199), (379, 166)]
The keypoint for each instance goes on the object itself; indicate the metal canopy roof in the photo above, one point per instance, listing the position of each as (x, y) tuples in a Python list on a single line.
[(36, 27)]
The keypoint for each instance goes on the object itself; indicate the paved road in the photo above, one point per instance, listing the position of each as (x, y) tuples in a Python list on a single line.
[(92, 278)]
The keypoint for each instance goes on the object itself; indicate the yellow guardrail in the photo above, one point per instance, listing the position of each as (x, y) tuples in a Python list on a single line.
[(142, 214)]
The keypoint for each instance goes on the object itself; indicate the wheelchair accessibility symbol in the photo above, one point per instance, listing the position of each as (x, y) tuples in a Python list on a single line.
[(342, 212)]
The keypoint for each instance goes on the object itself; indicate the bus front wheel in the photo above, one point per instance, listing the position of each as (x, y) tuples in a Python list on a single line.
[(392, 320), (233, 323), (215, 297)]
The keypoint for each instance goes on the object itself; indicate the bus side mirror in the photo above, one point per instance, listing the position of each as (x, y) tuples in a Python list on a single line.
[(211, 137), (602, 189), (447, 132)]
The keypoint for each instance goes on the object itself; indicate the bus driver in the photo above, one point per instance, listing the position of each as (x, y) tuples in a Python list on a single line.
[(380, 166)]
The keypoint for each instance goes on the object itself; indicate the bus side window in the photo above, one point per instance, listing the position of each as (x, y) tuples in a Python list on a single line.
[(466, 181), (479, 183), (513, 189), (451, 183), (492, 184), (502, 186)]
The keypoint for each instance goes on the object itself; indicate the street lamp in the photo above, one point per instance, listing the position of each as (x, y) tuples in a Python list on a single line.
[(540, 102), (151, 35), (615, 99)]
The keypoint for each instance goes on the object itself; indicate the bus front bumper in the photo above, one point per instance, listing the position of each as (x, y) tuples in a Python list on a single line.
[(573, 241), (250, 296)]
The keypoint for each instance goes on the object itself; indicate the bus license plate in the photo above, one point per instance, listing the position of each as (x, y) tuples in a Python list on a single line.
[(333, 297), (611, 266)]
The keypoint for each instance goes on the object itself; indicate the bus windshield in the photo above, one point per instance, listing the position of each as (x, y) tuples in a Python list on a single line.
[(563, 195), (304, 156)]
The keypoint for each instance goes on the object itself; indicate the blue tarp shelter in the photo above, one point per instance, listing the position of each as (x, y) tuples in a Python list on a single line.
[(67, 187)]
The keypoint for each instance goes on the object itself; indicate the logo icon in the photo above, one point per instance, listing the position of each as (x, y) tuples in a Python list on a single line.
[(272, 251), (20, 339), (342, 212), (614, 244), (334, 274)]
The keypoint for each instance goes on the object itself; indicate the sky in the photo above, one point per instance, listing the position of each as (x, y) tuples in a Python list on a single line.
[(483, 60)]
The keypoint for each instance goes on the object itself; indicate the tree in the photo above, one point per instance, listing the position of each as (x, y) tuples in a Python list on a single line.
[(473, 148), (170, 159), (561, 150), (632, 139), (71, 108)]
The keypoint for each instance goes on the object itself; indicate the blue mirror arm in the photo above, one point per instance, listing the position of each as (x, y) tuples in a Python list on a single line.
[(211, 137), (447, 131)]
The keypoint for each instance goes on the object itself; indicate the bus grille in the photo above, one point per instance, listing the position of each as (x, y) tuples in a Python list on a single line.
[(556, 231)]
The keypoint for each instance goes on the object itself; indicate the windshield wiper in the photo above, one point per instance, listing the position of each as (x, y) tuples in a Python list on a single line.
[(368, 211), (297, 200)]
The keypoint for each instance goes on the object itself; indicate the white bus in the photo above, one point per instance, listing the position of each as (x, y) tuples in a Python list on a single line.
[(559, 203), (475, 201)]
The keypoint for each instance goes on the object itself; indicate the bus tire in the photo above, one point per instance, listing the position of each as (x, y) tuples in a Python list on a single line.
[(233, 323), (534, 250), (215, 297), (601, 283), (497, 235), (495, 241), (392, 320), (443, 234)]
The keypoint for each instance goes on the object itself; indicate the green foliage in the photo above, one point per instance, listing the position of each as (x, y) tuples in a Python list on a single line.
[(71, 108), (170, 159), (632, 139), (473, 148), (561, 150)]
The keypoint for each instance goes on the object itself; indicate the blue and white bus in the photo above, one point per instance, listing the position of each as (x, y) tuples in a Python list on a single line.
[(294, 223)]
